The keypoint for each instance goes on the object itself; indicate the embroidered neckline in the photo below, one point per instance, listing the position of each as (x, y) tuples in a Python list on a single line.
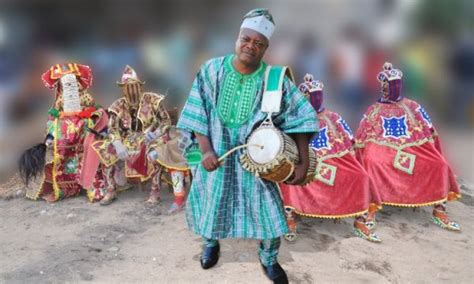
[(236, 100)]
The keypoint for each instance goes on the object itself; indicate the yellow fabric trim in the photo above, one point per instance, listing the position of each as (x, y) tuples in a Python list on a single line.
[(172, 167), (55, 160), (90, 195), (102, 160), (41, 184), (394, 146), (331, 125), (141, 177), (328, 216), (415, 205), (337, 155)]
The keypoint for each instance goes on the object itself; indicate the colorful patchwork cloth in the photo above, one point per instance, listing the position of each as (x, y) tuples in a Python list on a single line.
[(130, 129), (399, 148), (342, 188), (224, 105), (62, 176)]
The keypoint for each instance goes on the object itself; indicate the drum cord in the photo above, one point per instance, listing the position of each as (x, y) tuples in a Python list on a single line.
[(237, 148)]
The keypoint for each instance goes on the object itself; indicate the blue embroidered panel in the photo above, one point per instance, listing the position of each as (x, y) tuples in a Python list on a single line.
[(395, 127), (321, 141), (425, 116), (346, 127)]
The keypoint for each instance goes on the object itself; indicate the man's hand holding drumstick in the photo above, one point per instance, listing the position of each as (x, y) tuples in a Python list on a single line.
[(209, 157), (210, 161)]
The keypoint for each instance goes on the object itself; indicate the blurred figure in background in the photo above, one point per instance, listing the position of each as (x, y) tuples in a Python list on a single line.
[(374, 58), (400, 149), (347, 63), (461, 64), (310, 57)]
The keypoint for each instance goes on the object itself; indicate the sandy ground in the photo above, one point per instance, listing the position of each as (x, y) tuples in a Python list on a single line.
[(75, 241)]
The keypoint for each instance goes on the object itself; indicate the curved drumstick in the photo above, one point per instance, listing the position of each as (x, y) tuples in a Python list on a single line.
[(221, 158)]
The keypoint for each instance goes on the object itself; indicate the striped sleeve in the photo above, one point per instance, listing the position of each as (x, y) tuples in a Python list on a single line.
[(194, 117), (297, 115)]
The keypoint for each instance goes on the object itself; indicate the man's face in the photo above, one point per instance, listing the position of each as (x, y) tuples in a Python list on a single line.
[(250, 47)]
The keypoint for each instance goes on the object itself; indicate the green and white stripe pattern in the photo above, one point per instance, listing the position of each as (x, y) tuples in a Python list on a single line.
[(231, 202)]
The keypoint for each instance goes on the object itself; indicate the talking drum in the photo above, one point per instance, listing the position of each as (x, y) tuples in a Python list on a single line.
[(313, 163), (272, 155)]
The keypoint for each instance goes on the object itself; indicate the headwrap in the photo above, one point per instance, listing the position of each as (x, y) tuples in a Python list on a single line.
[(129, 76), (83, 74)]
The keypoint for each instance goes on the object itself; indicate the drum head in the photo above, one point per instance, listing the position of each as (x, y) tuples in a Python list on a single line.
[(271, 141)]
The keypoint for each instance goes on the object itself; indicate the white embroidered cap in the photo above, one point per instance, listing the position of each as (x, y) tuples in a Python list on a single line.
[(259, 20)]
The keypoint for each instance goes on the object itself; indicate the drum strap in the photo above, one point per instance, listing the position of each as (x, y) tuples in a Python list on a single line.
[(273, 90)]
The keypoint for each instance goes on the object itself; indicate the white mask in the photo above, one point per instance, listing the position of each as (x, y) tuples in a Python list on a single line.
[(70, 93)]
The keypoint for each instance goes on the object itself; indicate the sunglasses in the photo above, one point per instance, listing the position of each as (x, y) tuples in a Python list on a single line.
[(260, 12)]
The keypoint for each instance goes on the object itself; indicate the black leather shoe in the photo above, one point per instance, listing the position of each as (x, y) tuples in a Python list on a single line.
[(210, 256), (275, 273)]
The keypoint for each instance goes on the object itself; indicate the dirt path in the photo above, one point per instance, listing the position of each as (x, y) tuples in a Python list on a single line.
[(74, 241)]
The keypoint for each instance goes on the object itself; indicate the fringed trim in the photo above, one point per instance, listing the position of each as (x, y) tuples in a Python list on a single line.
[(182, 169), (139, 176), (415, 205), (328, 216), (40, 190), (258, 169), (374, 207)]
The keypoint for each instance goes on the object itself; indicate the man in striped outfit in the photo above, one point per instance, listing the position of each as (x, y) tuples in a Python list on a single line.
[(224, 106)]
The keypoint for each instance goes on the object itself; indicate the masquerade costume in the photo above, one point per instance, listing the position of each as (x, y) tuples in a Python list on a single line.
[(400, 149), (141, 141), (342, 188), (74, 122)]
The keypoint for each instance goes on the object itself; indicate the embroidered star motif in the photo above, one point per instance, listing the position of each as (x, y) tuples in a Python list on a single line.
[(395, 127), (346, 127), (425, 116), (321, 142)]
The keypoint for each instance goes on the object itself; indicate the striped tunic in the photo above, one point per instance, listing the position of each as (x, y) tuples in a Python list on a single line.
[(231, 202)]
